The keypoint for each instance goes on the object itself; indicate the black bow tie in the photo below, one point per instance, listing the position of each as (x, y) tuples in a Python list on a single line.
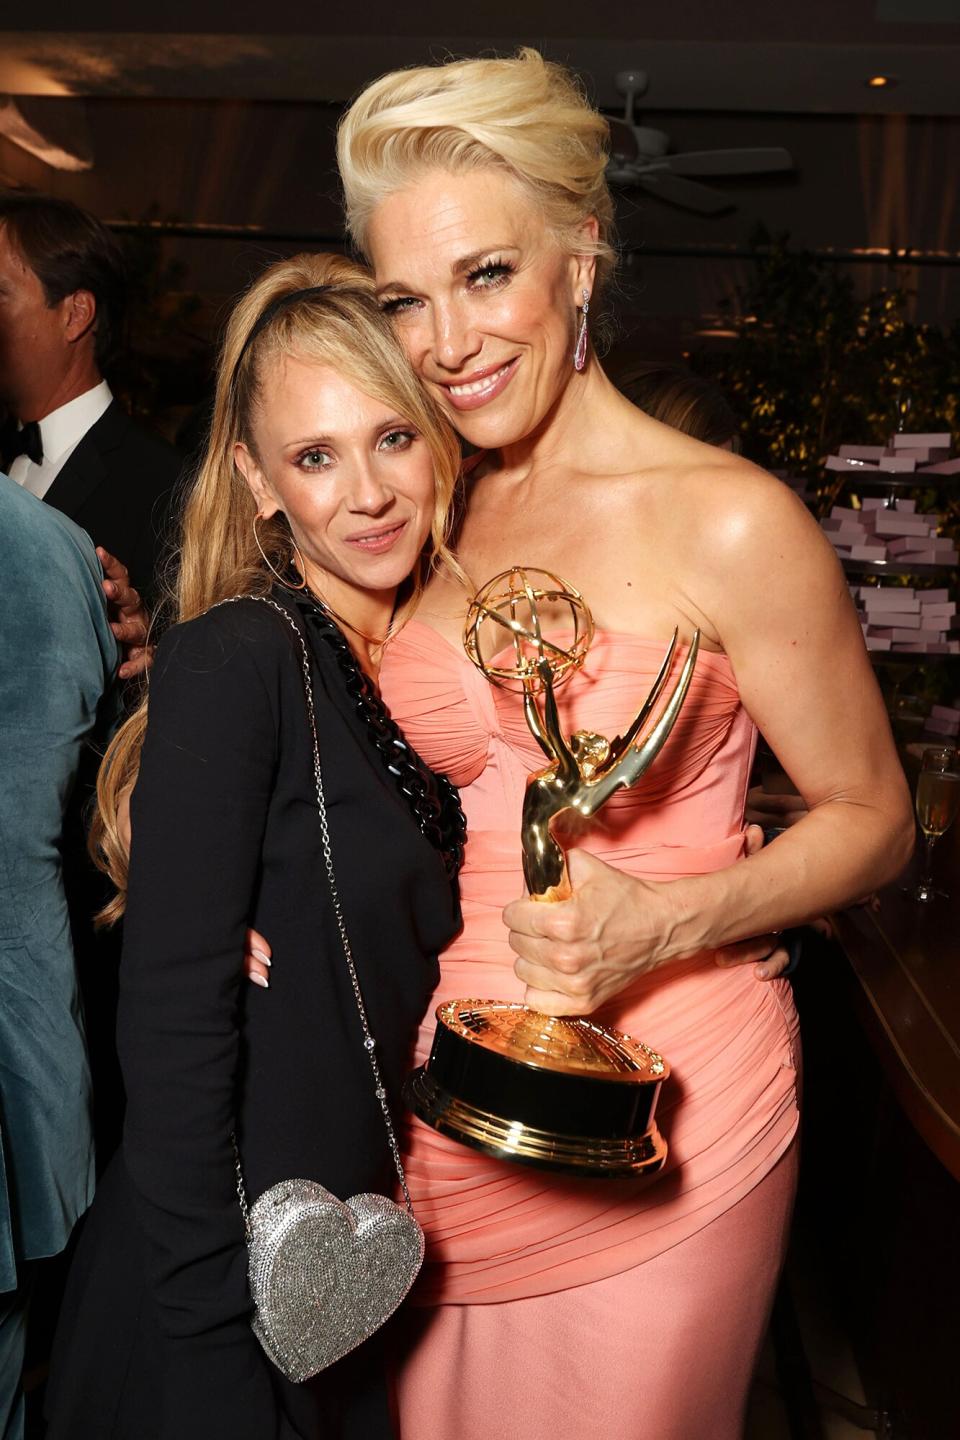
[(25, 441)]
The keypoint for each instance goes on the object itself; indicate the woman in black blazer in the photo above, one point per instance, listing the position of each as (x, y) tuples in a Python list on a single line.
[(351, 490)]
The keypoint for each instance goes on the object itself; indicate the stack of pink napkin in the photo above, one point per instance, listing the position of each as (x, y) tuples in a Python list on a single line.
[(899, 618)]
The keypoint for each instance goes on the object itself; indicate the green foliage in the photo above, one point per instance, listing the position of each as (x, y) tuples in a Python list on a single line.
[(814, 366)]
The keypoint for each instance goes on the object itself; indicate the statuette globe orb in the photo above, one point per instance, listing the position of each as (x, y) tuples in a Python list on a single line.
[(523, 617)]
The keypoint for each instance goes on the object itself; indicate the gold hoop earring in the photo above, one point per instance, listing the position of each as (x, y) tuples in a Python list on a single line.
[(273, 571)]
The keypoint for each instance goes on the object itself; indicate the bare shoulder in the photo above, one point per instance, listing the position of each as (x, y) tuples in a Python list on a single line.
[(682, 484), (762, 559), (745, 506), (739, 541), (720, 505)]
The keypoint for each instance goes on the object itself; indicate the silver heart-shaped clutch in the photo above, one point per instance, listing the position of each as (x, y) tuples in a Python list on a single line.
[(326, 1273)]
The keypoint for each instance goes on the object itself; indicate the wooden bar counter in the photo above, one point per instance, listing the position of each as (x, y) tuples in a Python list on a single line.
[(906, 958), (880, 1174)]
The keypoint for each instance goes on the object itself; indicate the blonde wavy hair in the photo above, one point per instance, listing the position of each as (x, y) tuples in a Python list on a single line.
[(342, 328), (523, 114)]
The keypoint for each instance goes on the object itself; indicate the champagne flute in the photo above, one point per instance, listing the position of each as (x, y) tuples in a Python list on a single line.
[(938, 800)]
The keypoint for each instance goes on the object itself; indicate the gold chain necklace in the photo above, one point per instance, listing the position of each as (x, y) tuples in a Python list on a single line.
[(348, 624)]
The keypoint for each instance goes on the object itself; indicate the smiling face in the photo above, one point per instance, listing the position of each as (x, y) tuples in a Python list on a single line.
[(353, 478), (484, 299)]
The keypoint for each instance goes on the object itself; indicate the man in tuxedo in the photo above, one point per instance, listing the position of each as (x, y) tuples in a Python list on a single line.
[(67, 440), (58, 660)]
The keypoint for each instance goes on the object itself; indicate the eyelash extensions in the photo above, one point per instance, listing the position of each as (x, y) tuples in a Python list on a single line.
[(499, 272)]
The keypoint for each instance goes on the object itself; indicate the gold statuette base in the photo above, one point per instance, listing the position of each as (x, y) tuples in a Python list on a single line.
[(504, 1139)]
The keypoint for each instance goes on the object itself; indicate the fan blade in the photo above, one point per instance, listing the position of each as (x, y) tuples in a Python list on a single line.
[(757, 161), (683, 192), (622, 173), (637, 142), (623, 142)]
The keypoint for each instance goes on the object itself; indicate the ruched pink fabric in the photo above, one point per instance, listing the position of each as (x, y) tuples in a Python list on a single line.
[(666, 1349), (500, 1232)]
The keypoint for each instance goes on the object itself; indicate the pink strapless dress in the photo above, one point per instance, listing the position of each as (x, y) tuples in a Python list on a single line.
[(591, 1273)]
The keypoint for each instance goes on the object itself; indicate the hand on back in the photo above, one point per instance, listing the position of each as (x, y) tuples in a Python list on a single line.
[(128, 616)]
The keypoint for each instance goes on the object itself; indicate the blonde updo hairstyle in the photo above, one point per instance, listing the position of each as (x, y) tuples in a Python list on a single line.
[(343, 328), (525, 115)]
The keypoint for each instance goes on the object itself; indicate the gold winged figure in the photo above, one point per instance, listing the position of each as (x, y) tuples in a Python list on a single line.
[(586, 769)]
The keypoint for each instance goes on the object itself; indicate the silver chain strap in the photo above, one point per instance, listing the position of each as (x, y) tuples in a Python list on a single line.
[(369, 1043)]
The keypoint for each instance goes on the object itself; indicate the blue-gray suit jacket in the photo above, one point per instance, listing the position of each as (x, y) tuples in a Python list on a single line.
[(57, 660)]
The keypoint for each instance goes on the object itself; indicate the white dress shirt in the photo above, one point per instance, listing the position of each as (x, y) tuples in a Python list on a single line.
[(60, 433)]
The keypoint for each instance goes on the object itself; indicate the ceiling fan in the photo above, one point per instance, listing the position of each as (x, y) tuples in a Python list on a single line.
[(52, 128), (640, 156)]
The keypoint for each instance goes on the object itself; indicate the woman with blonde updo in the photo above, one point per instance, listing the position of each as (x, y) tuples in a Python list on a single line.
[(477, 191), (318, 512)]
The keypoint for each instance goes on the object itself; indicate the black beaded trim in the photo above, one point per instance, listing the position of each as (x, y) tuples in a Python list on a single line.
[(432, 799)]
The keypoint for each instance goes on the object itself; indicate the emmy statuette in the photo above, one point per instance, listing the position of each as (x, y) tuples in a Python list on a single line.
[(560, 1093)]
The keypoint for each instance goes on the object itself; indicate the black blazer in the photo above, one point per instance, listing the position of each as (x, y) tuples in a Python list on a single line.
[(120, 486), (226, 834)]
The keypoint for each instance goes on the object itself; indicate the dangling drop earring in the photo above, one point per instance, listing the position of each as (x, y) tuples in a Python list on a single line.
[(271, 568), (580, 354)]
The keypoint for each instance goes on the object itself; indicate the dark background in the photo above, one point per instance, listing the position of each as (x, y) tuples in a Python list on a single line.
[(217, 121)]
